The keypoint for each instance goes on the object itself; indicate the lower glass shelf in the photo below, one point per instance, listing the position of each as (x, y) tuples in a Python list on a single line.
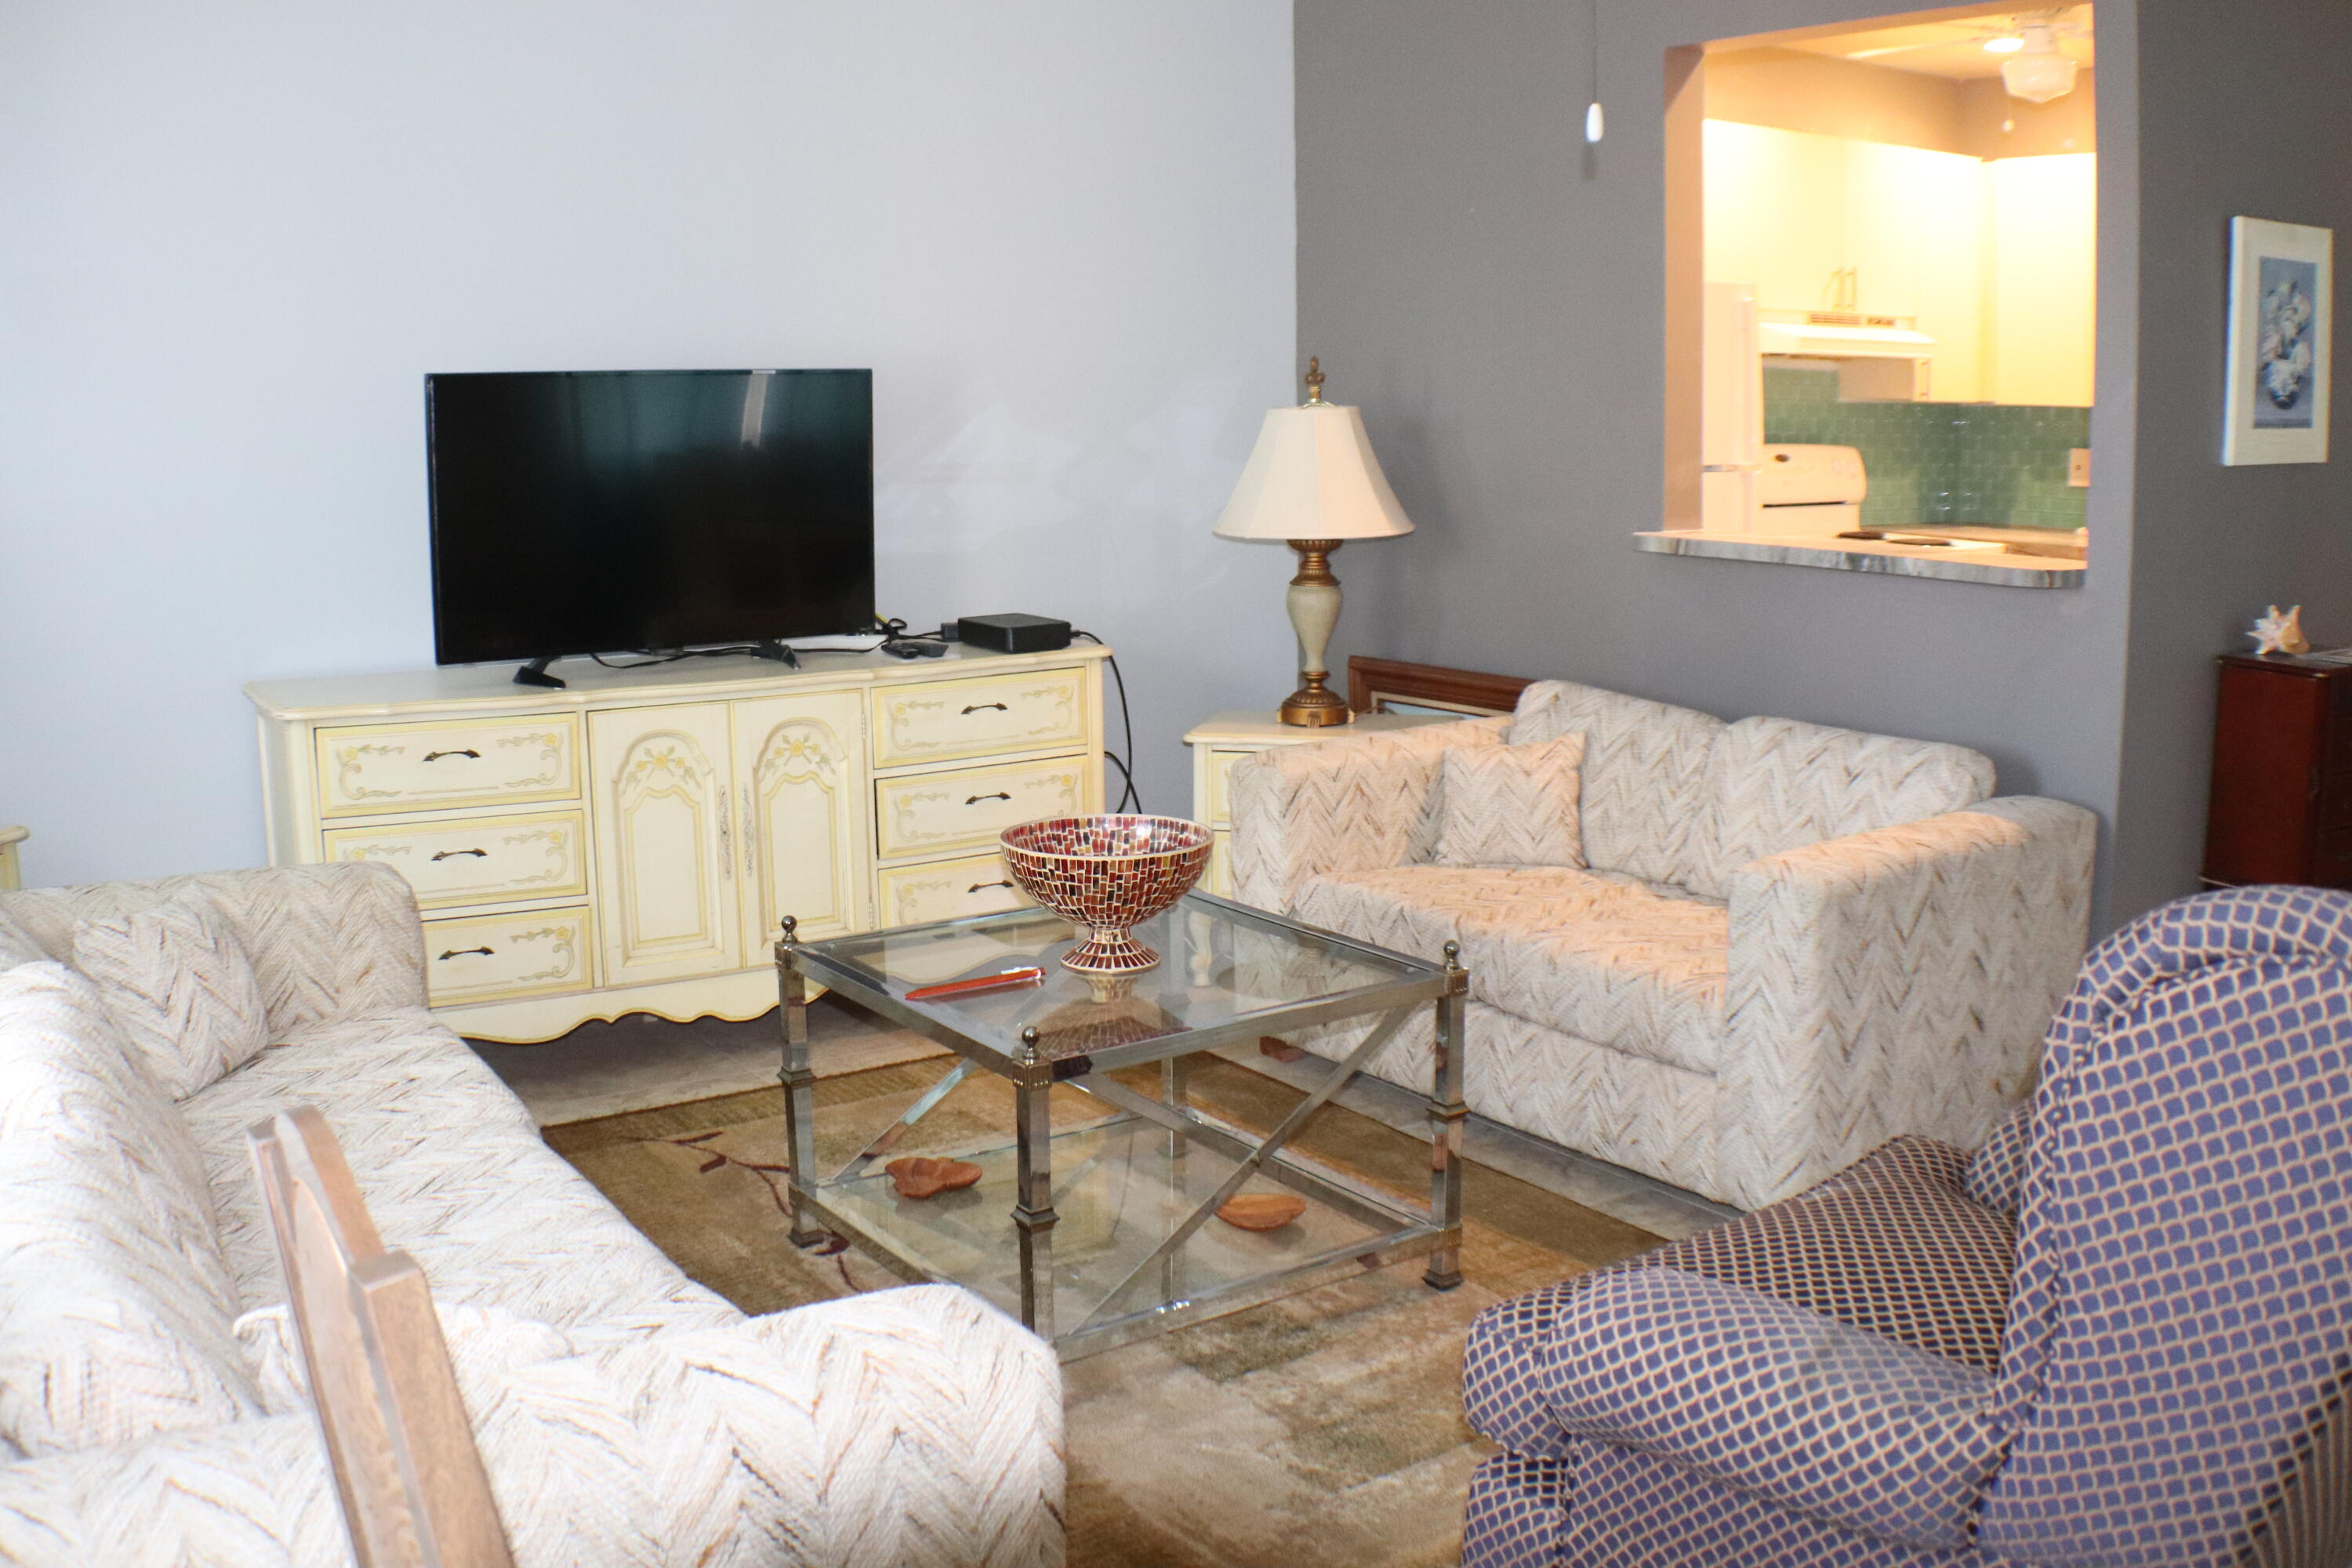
[(1122, 1187)]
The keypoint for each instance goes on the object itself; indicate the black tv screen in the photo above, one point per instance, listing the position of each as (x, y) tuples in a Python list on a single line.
[(605, 511)]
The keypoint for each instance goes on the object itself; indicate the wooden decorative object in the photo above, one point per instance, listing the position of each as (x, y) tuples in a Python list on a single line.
[(1262, 1211), (1374, 683), (410, 1479), (1280, 1049), (921, 1176)]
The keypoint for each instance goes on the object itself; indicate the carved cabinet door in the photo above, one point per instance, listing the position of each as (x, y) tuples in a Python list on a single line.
[(667, 905), (802, 800)]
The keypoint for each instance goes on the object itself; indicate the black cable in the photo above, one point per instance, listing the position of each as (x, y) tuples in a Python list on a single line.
[(648, 658), (895, 636), (1130, 795)]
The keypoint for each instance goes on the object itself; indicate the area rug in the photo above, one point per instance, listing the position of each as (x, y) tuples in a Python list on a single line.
[(1324, 1429)]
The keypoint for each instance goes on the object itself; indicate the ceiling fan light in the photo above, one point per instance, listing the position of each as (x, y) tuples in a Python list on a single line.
[(2003, 46), (2038, 72)]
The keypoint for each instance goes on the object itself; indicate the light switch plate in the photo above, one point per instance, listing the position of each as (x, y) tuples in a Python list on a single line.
[(2078, 467)]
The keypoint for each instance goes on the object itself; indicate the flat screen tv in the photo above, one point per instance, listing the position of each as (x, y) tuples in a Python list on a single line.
[(605, 511)]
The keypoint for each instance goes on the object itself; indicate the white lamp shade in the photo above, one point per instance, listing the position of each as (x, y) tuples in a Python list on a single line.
[(1313, 476)]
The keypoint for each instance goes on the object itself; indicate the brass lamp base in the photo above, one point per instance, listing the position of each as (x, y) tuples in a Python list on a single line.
[(1315, 704), (1313, 605)]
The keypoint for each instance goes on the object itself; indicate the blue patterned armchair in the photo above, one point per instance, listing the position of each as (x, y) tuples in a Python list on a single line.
[(2120, 1333)]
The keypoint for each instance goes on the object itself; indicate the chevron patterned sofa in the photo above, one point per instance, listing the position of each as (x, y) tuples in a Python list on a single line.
[(152, 1408), (1789, 944)]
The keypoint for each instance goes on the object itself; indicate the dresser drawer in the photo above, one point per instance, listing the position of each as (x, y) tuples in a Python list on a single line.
[(482, 958), (947, 891), (477, 859), (937, 721), (930, 814), (376, 769)]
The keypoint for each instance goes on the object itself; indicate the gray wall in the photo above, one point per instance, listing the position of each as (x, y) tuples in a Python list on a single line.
[(1492, 295), (235, 237), (2215, 545)]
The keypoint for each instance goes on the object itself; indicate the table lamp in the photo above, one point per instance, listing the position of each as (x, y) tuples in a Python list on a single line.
[(1312, 481)]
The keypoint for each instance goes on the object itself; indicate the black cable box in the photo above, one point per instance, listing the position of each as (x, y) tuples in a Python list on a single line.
[(1015, 634)]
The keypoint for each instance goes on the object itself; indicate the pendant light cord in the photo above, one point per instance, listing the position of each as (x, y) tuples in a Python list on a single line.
[(1592, 125)]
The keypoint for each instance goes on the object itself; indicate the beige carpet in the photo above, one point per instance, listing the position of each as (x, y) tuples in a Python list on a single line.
[(1325, 1428)]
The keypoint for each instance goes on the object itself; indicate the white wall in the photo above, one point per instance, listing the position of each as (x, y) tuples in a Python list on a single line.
[(234, 237)]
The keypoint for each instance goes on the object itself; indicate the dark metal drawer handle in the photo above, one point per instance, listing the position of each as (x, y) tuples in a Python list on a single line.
[(976, 886), (446, 854), (975, 800), (469, 751), (976, 707), (461, 951)]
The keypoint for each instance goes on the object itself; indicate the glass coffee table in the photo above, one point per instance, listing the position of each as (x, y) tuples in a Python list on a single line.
[(1104, 1232)]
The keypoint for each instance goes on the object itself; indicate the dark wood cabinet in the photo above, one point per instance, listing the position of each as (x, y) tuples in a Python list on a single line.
[(2280, 809)]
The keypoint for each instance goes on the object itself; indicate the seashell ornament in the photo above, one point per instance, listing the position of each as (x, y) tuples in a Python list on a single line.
[(2277, 633)]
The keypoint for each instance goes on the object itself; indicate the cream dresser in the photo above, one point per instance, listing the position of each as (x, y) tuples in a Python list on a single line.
[(1223, 738), (629, 844)]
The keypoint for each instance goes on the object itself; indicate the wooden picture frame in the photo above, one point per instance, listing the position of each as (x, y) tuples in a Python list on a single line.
[(1395, 685), (2282, 327)]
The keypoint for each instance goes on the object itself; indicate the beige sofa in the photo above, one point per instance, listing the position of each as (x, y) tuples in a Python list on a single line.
[(625, 1413), (1790, 943)]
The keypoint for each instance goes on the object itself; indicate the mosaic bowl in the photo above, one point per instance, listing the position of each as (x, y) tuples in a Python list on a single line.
[(1106, 873)]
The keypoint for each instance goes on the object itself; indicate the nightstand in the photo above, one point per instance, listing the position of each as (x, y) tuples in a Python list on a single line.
[(1223, 739)]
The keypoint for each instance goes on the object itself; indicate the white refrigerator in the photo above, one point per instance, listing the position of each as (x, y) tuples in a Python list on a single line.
[(1731, 410)]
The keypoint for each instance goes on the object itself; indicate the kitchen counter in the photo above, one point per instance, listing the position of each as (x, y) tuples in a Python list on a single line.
[(2019, 557)]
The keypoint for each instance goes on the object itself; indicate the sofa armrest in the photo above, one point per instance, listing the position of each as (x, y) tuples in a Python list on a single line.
[(1357, 803), (324, 939), (910, 1426), (1896, 980), (1776, 1400), (914, 1425)]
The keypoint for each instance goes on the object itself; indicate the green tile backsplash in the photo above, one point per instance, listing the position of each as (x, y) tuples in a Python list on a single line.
[(1980, 464)]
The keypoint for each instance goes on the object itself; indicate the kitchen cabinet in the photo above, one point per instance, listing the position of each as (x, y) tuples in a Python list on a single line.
[(1775, 212), (1993, 260), (2041, 299)]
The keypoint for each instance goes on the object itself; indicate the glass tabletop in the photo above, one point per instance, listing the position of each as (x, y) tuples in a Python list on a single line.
[(1220, 963)]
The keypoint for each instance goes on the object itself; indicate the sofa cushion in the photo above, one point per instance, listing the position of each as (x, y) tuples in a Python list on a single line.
[(115, 1303), (1638, 967), (1774, 785), (1511, 805), (453, 1172), (1644, 765), (1892, 1245), (178, 980)]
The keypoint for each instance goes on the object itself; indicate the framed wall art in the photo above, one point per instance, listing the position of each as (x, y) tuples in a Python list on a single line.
[(2281, 318)]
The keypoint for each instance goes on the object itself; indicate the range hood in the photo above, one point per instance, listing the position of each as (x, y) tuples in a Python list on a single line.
[(1840, 334)]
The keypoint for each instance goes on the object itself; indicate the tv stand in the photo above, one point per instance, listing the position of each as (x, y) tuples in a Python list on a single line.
[(632, 843), (535, 674), (769, 649)]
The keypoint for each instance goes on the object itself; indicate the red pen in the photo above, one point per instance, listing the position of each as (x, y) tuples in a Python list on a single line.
[(1004, 981)]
